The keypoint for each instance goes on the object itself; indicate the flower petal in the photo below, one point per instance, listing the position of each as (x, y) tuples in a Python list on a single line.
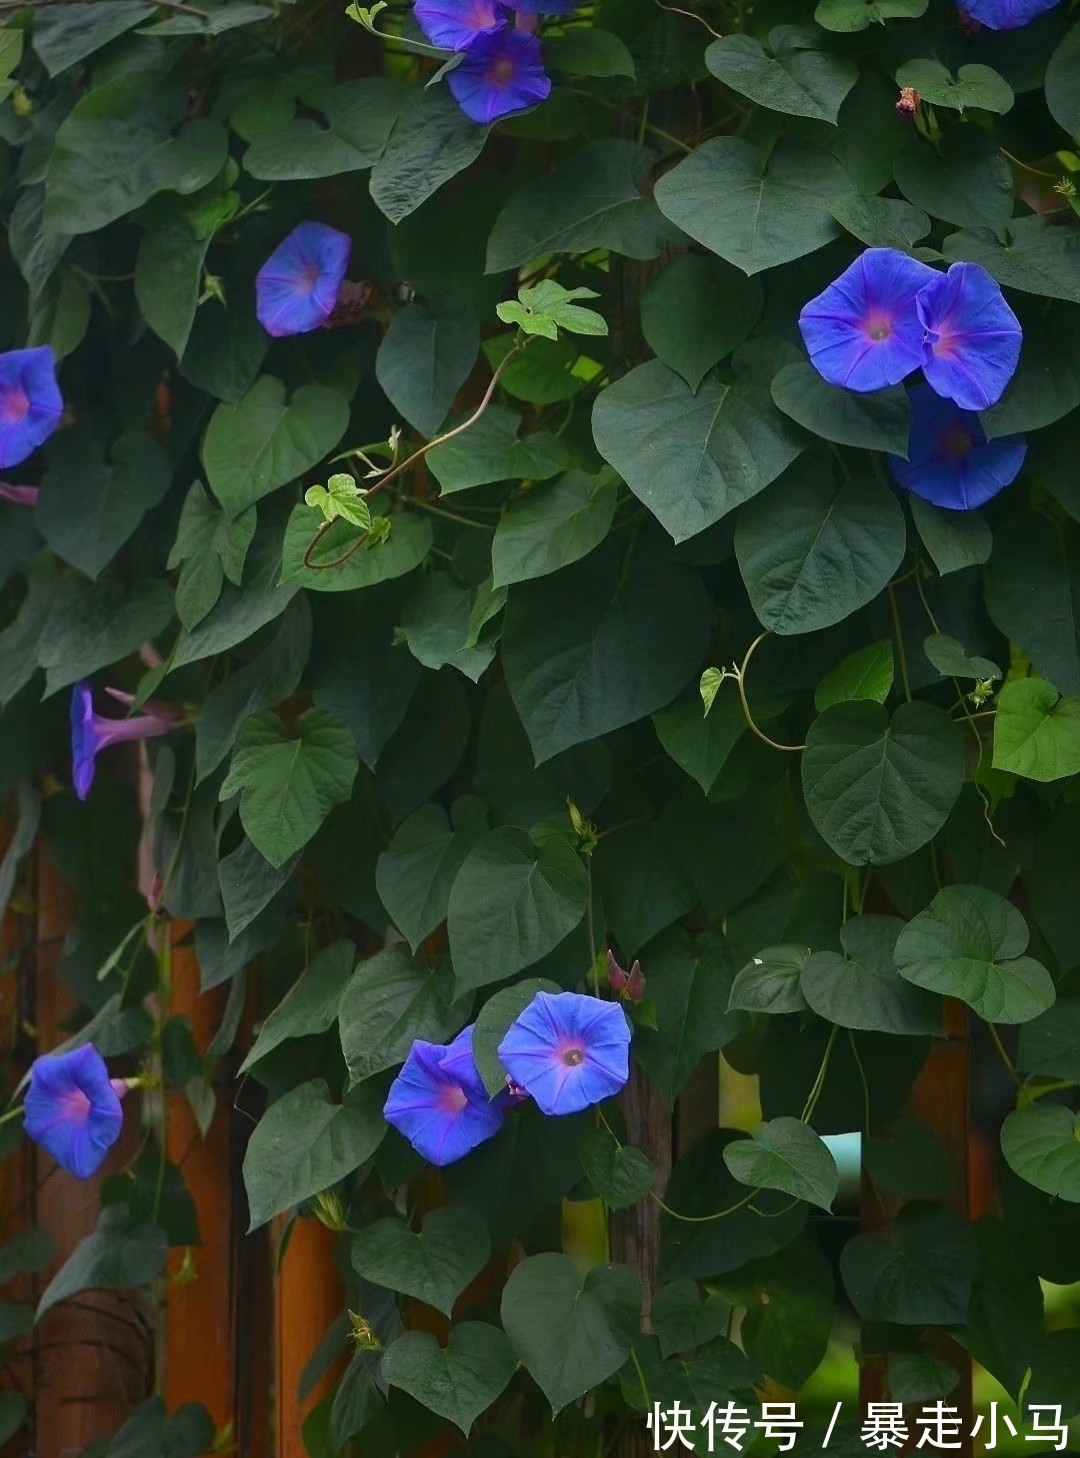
[(502, 73), (298, 285), (940, 469), (595, 1033), (456, 23), (31, 406), (1006, 14), (972, 337)]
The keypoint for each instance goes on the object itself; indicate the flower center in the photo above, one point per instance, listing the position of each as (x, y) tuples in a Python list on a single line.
[(878, 327), (453, 1098), (309, 277), (572, 1057), (76, 1105), (14, 405), (955, 443), (501, 72)]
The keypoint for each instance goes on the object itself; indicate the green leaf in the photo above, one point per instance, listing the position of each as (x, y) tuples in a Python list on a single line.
[(1041, 1143), (866, 674), (789, 1301), (491, 451), (407, 545), (288, 785), (801, 78), (683, 1321), (689, 983), (253, 447), (968, 943), (208, 548), (457, 1381), (1036, 731), (389, 1003), (785, 1154), (863, 990), (92, 625), (168, 278), (1046, 385), (594, 200), (1033, 594), (434, 1264), (755, 213), (311, 1004), (493, 1023), (585, 653), (570, 1332), (340, 498), (702, 743), (964, 180), (113, 1258), (954, 539), (906, 1159), (949, 658), (416, 871), (1006, 1319), (769, 983), (584, 50), (837, 547), (692, 458), (874, 422), (977, 86), (305, 1143), (696, 312), (551, 526), (1050, 1043), (511, 904), (89, 505), (424, 359), (1037, 258), (359, 115), (1062, 91), (438, 624), (922, 1276), (241, 610), (431, 141), (881, 222), (620, 1175), (878, 789), (63, 40), (1053, 1375), (547, 307), (643, 882), (851, 15), (115, 149)]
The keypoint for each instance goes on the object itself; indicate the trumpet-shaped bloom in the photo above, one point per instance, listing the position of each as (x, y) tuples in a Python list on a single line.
[(297, 287), (456, 23), (72, 1108), (950, 462), (438, 1101), (972, 336), (863, 331), (31, 405), (502, 73), (1006, 14), (92, 732), (568, 1051)]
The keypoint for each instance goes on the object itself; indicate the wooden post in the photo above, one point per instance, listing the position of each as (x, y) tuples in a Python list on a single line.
[(309, 1295), (93, 1355)]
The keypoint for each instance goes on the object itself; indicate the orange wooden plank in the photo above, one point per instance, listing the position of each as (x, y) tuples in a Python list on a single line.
[(308, 1296)]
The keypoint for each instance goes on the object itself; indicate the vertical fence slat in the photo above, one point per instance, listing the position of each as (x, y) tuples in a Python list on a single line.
[(308, 1295)]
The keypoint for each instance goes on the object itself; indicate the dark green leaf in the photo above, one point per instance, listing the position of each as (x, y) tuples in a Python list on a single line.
[(434, 1264), (1006, 1317), (863, 990), (390, 1002), (973, 85), (311, 1004), (769, 983), (1037, 258), (491, 451), (865, 674), (696, 312), (92, 625), (1041, 1143), (1050, 1044), (690, 985), (1062, 90), (493, 1022), (457, 1381), (876, 422), (921, 1276), (416, 871), (360, 116), (789, 1300), (800, 78), (965, 181), (113, 1258), (850, 15), (424, 359), (619, 1174), (431, 141), (785, 1154), (954, 539), (552, 526)]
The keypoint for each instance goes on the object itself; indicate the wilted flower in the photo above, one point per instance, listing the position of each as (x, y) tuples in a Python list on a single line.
[(18, 495), (72, 1108), (1006, 14), (456, 23), (439, 1102), (31, 405), (91, 732), (863, 331), (950, 461), (907, 103), (297, 287), (568, 1051), (502, 73), (972, 336)]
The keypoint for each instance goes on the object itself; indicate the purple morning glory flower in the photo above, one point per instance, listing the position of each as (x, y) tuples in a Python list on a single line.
[(30, 402), (72, 1108), (439, 1102), (950, 461), (568, 1051), (1006, 14), (546, 7), (91, 732), (297, 287), (456, 23), (502, 73), (972, 336), (863, 331)]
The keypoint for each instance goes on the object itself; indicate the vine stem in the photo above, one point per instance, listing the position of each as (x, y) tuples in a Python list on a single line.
[(995, 1038), (402, 466), (751, 724), (899, 635)]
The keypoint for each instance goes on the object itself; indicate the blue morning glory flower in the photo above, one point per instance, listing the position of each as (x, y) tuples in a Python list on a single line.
[(863, 331), (72, 1108), (972, 336), (950, 462), (438, 1101), (456, 23), (31, 405), (298, 285), (1006, 14), (91, 732), (502, 73), (546, 7), (568, 1051)]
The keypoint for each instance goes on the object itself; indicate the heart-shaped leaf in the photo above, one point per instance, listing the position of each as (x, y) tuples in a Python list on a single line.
[(876, 422), (800, 78), (389, 1003), (977, 86), (1041, 1143), (769, 983), (434, 1265), (457, 1381), (1036, 731), (620, 1174), (863, 990), (785, 1154), (851, 15)]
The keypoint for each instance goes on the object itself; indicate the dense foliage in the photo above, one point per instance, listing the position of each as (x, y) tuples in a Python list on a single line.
[(524, 590)]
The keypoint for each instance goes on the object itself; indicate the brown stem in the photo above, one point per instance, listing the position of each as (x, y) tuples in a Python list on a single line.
[(403, 466)]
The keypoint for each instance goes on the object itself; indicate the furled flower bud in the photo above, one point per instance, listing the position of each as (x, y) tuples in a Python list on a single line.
[(907, 103), (616, 976), (635, 983)]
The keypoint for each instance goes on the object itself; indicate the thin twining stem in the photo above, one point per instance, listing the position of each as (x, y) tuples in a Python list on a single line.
[(750, 721)]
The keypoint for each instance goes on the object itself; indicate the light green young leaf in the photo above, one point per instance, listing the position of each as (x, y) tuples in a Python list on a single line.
[(1036, 731), (340, 497)]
